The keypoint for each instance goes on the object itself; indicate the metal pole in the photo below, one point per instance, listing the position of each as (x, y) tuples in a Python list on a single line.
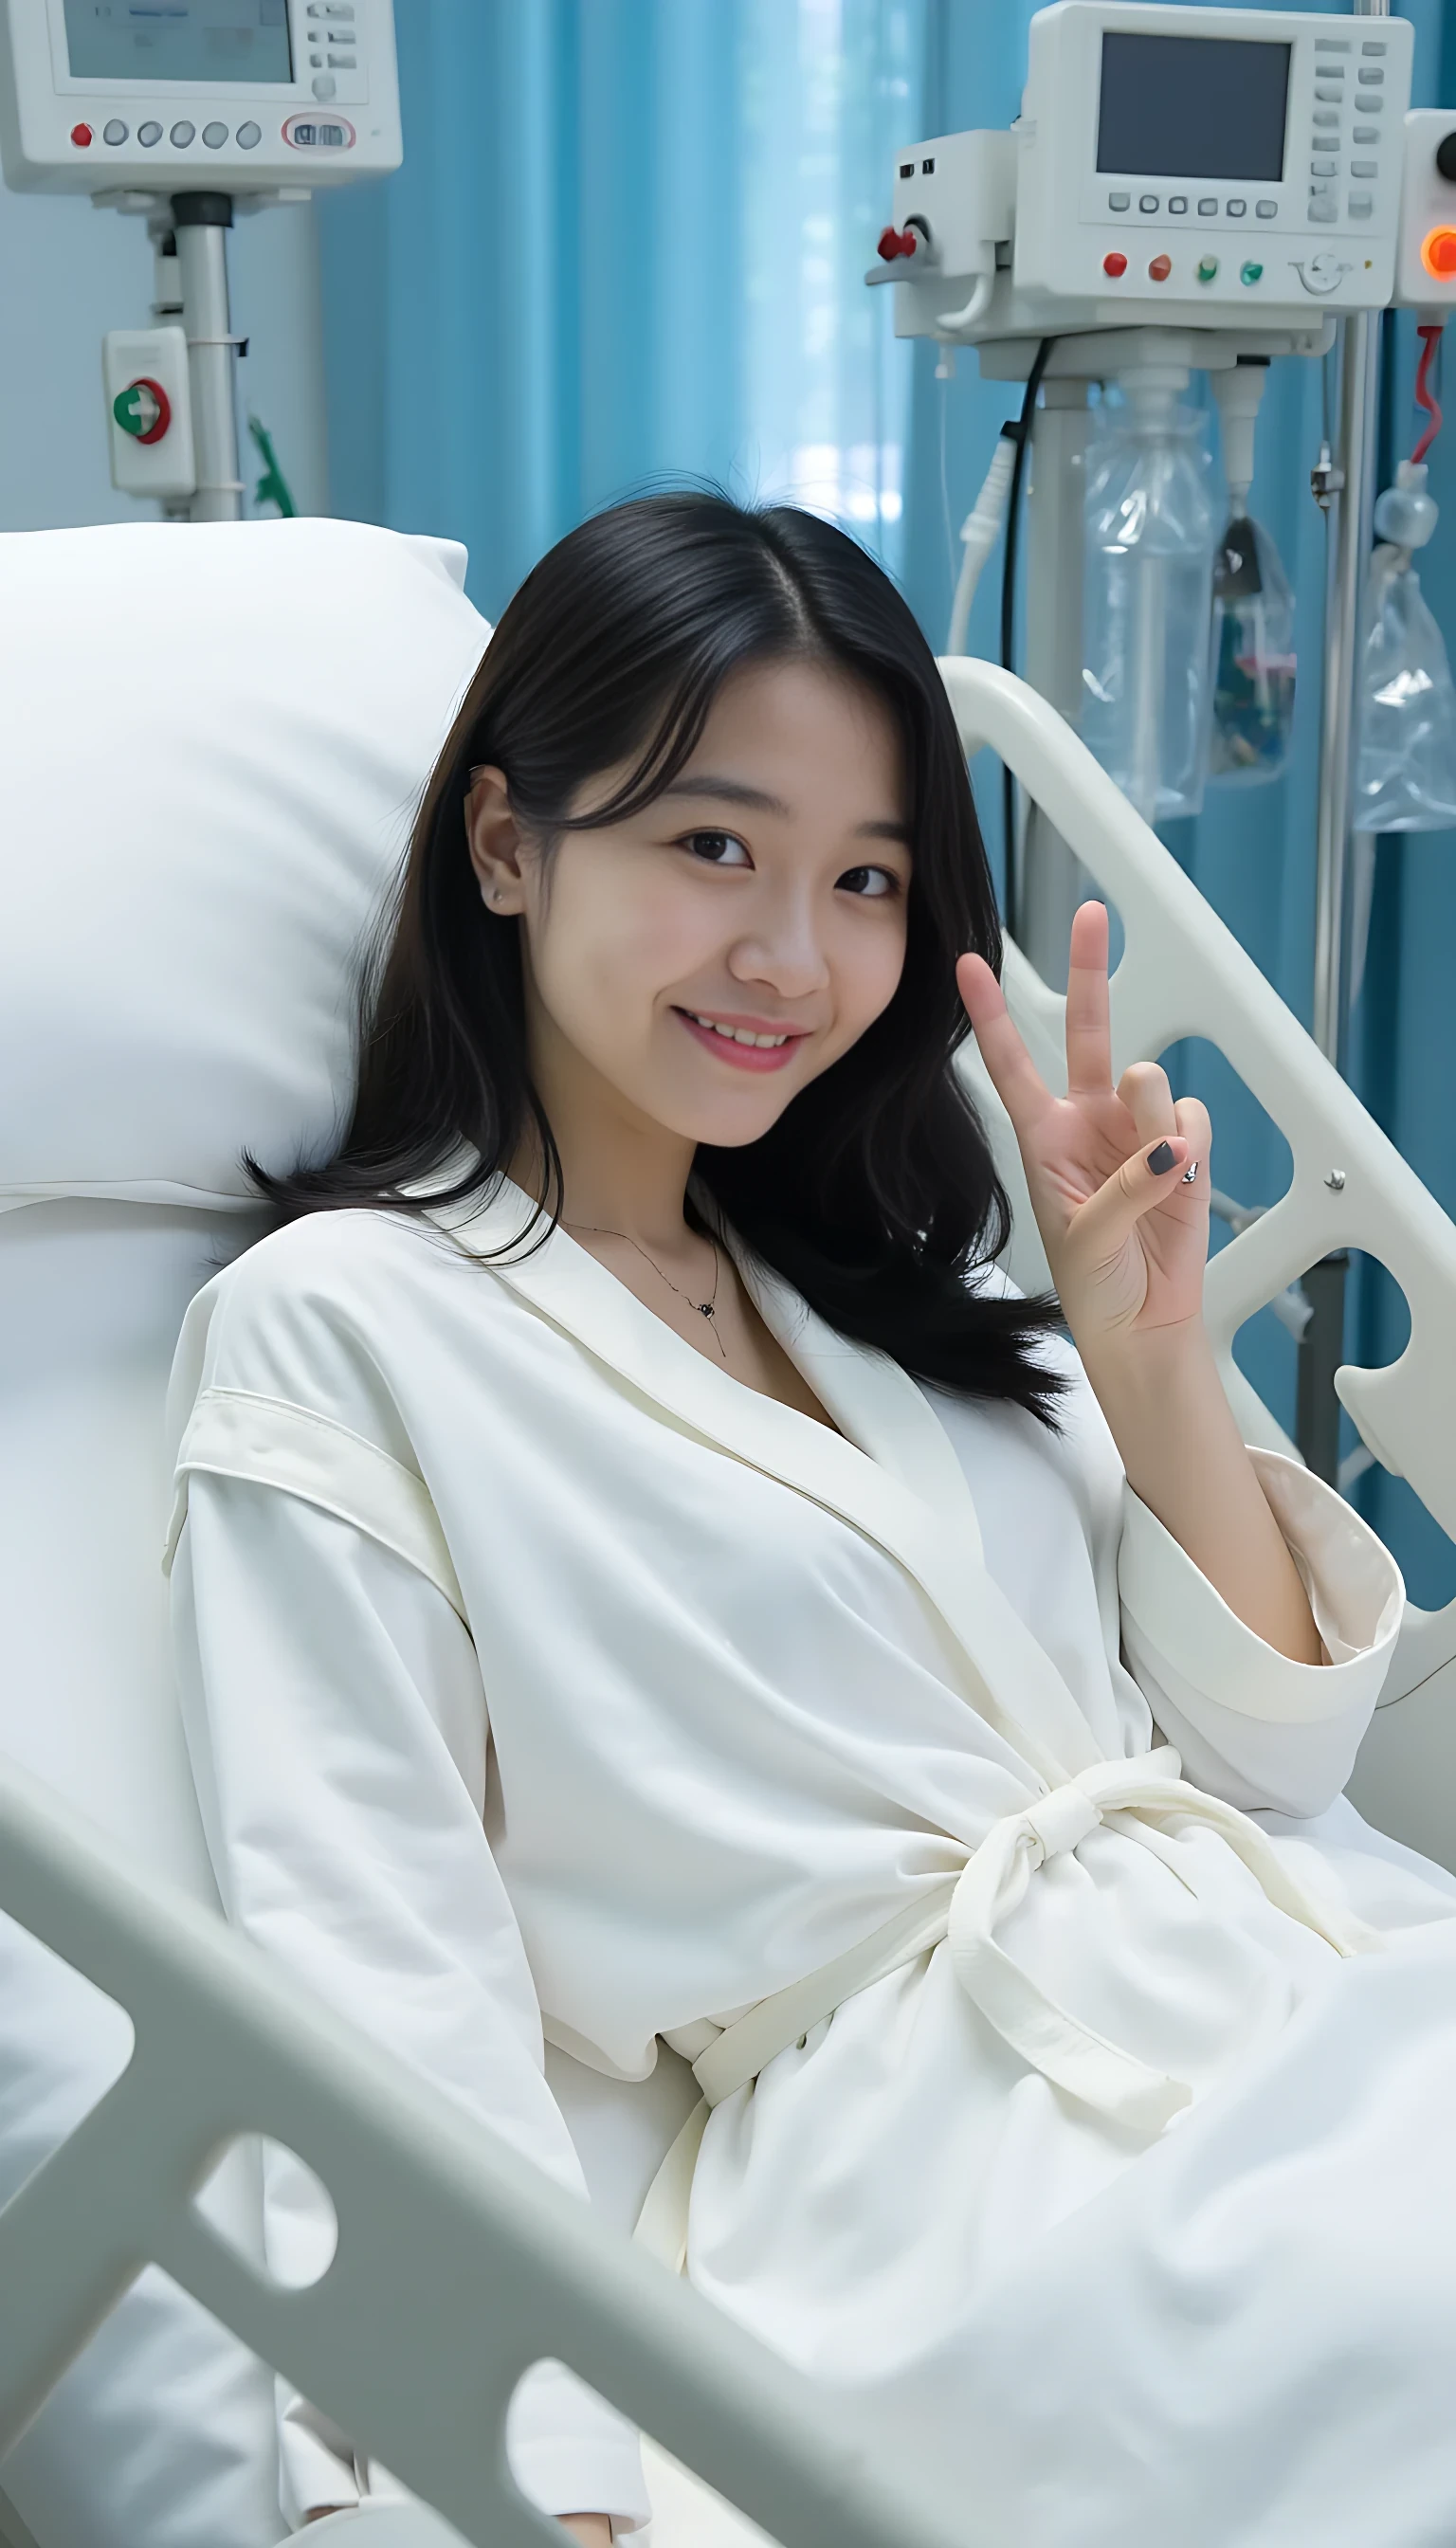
[(1051, 881), (202, 223), (1347, 510)]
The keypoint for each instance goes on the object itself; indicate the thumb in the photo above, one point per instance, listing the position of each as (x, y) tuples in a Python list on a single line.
[(1143, 1179)]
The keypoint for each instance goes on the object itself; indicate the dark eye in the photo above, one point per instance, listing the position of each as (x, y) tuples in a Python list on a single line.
[(716, 849), (871, 884)]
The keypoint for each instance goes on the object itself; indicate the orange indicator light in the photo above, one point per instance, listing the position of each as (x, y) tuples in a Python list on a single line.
[(1438, 255)]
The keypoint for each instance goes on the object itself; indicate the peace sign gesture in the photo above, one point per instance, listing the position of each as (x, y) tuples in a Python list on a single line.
[(1126, 1232)]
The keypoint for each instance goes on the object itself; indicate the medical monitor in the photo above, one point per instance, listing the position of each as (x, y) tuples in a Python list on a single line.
[(234, 96), (1212, 160)]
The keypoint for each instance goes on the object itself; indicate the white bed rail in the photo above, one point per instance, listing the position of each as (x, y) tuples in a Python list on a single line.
[(458, 2264), (1184, 973)]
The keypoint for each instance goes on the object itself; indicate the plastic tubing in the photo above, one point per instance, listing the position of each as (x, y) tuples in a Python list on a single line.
[(1430, 337), (978, 534)]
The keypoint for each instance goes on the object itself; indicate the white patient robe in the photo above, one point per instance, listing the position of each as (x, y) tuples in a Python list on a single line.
[(693, 1694)]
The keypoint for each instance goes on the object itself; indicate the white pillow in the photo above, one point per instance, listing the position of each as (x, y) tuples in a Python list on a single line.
[(213, 738)]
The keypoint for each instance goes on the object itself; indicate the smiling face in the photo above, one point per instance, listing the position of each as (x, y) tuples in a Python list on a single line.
[(692, 968)]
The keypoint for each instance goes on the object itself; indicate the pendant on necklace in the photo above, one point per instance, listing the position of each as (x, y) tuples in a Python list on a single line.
[(704, 1308)]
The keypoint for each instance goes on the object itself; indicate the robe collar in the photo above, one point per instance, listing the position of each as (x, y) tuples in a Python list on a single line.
[(891, 1471)]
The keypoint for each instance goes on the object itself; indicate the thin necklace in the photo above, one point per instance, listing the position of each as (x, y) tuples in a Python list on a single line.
[(704, 1308)]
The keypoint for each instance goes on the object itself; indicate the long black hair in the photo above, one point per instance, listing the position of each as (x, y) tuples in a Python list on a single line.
[(875, 1193)]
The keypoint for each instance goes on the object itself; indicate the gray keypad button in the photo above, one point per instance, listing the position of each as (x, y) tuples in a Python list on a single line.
[(182, 135), (1361, 208), (249, 135), (1330, 96), (1324, 212), (1266, 208), (1177, 203), (1370, 79), (1319, 186), (1369, 105), (343, 61), (1118, 203), (215, 135), (1374, 48), (1207, 205), (1147, 202), (1331, 44), (1327, 119), (324, 87), (1237, 208), (115, 133), (1366, 133), (1325, 167), (149, 134), (1364, 167)]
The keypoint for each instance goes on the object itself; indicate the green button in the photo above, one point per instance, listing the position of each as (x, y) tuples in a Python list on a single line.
[(1208, 267), (136, 410), (1251, 273)]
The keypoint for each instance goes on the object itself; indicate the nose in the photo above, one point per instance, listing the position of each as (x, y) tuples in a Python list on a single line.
[(783, 949)]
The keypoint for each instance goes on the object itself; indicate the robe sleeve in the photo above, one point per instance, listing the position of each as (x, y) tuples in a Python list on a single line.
[(338, 1735), (1252, 1725)]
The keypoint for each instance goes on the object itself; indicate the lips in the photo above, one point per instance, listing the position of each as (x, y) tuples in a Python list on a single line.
[(741, 1056)]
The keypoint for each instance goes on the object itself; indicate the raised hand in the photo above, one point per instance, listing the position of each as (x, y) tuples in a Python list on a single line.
[(1126, 1239)]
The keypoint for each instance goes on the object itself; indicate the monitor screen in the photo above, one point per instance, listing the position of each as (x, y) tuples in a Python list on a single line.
[(1192, 105), (197, 41)]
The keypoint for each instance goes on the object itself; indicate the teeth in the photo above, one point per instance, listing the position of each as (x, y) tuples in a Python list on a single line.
[(737, 1034)]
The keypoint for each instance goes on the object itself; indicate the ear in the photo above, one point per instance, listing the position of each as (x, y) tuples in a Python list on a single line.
[(496, 841)]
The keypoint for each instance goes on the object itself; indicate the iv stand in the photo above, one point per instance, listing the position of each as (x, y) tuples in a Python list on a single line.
[(1343, 485)]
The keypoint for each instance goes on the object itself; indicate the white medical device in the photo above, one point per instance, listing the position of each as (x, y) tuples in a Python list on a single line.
[(1172, 165), (180, 110), (241, 95)]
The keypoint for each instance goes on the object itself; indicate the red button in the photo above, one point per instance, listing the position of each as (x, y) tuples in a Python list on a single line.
[(893, 242), (1114, 262), (1160, 268), (1438, 255), (82, 135)]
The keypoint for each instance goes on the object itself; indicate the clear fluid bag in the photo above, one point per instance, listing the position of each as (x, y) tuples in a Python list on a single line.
[(1253, 659), (1405, 705), (1146, 598)]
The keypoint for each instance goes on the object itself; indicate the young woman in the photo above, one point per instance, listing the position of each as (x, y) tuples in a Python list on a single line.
[(645, 1576)]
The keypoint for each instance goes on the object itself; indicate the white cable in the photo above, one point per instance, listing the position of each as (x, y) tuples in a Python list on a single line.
[(954, 320), (978, 534)]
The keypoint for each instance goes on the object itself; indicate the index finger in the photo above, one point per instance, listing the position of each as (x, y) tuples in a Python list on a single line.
[(1011, 1072), (1088, 1013)]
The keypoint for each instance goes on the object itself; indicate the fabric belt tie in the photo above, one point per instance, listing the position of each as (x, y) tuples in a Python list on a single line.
[(965, 1911)]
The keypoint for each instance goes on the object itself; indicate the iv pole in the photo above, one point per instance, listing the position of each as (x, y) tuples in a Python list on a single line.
[(1343, 485)]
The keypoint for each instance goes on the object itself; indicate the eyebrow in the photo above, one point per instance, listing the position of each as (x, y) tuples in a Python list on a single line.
[(737, 791)]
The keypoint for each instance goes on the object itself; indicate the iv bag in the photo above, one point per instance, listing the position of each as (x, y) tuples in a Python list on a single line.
[(1253, 661), (1147, 596), (1406, 760)]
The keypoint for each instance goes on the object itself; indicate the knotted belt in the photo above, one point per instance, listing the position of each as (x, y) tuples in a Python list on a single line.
[(965, 1910)]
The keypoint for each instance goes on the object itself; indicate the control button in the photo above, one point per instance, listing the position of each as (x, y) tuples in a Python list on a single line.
[(249, 135), (1325, 167), (1331, 44), (143, 409), (1330, 97), (182, 135), (1366, 133), (1114, 263), (1445, 156), (1147, 202), (1206, 268), (1266, 208), (115, 133), (1361, 208), (215, 135), (1249, 272), (1207, 205), (149, 134), (1374, 48), (1369, 105), (1324, 212), (343, 61), (1319, 186), (1326, 119), (1237, 208), (82, 135), (1118, 203), (1159, 268), (1364, 167), (1177, 203), (1370, 79), (315, 61), (324, 87), (1438, 255)]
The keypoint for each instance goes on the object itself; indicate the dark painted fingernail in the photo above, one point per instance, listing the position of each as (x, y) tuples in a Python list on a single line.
[(1161, 1159)]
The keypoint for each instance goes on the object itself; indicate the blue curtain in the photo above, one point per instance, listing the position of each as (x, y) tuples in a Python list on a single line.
[(627, 247)]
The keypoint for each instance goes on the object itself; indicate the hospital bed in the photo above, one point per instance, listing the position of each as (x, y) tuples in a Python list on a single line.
[(214, 743)]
